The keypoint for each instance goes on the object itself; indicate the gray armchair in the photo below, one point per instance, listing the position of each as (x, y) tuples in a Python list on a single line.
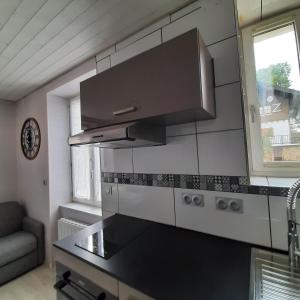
[(21, 242)]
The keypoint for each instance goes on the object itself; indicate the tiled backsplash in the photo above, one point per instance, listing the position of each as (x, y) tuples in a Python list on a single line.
[(232, 184)]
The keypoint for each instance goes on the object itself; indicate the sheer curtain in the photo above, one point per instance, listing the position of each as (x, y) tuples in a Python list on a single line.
[(86, 173)]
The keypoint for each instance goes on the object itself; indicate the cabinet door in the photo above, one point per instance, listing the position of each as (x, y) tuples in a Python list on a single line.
[(163, 80), (128, 293)]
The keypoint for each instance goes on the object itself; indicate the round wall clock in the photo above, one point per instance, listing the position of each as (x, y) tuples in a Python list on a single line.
[(30, 138)]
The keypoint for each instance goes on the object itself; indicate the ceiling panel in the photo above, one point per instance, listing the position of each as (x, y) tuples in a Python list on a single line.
[(271, 6), (42, 39), (252, 11), (248, 11)]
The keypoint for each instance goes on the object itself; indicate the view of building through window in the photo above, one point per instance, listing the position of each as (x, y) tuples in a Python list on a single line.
[(278, 89)]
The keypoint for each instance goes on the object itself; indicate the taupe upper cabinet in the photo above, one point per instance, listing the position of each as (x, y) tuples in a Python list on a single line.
[(169, 84)]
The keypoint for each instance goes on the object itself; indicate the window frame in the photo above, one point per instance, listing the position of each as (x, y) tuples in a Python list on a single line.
[(257, 167), (92, 201)]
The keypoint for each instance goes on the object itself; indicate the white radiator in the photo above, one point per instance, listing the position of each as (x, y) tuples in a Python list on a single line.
[(67, 227)]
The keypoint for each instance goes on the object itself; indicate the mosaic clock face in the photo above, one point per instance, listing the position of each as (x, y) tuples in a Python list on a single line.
[(30, 138)]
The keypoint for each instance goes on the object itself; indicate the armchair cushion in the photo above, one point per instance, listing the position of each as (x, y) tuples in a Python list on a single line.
[(11, 215), (37, 229), (15, 246)]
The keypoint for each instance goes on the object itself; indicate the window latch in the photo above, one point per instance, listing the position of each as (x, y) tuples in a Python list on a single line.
[(252, 113)]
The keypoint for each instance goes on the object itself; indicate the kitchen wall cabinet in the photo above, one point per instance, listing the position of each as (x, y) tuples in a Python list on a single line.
[(169, 84)]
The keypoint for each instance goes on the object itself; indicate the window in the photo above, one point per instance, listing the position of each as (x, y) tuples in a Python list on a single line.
[(272, 88), (86, 175)]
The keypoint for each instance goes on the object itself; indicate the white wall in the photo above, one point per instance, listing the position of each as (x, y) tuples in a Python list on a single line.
[(8, 165), (31, 174), (60, 185)]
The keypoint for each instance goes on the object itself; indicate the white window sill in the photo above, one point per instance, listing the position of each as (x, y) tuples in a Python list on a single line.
[(272, 181), (83, 213)]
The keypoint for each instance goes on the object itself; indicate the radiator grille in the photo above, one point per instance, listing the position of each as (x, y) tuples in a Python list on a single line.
[(67, 227)]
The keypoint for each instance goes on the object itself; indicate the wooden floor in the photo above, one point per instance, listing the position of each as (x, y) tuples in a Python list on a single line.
[(34, 285)]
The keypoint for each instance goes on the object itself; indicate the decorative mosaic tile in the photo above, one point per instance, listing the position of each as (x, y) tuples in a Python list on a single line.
[(218, 187), (244, 189), (226, 187), (263, 190), (210, 186), (234, 180), (235, 184), (226, 179), (218, 179), (243, 180), (210, 179), (234, 188), (284, 192), (203, 186)]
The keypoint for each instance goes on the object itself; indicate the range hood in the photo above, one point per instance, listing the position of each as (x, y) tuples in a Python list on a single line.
[(134, 134), (130, 104)]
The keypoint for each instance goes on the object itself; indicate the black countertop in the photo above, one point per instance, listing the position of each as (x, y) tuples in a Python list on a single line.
[(166, 262)]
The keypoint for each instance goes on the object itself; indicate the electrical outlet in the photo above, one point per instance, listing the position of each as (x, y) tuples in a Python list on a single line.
[(193, 199), (198, 200), (187, 199), (229, 204)]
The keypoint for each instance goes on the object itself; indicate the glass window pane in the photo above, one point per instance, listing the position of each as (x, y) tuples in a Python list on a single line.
[(75, 116), (278, 89), (81, 172), (96, 173)]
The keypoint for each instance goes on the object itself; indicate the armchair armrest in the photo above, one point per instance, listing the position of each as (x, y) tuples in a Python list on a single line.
[(37, 229)]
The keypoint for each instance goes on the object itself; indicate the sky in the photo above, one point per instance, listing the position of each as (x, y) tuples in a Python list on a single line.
[(276, 49)]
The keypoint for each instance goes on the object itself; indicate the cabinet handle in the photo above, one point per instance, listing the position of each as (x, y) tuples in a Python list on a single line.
[(124, 111)]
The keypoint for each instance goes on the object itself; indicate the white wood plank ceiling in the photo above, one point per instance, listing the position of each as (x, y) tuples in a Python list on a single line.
[(251, 11), (41, 39)]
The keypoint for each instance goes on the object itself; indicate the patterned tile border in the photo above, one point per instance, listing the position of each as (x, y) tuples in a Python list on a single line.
[(233, 184)]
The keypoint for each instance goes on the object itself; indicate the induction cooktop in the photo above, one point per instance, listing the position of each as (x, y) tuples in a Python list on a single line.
[(112, 238)]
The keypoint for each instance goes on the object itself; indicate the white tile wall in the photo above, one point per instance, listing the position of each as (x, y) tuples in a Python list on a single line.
[(252, 226), (148, 42), (222, 153), (147, 202), (142, 33), (226, 61), (181, 129), (110, 197), (103, 64), (116, 160), (186, 10), (106, 53), (215, 21), (279, 227), (228, 109), (178, 156)]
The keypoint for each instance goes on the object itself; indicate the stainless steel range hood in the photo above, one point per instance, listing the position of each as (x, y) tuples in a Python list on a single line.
[(134, 134)]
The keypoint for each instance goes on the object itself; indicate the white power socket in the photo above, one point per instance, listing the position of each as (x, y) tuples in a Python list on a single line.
[(229, 204), (193, 199)]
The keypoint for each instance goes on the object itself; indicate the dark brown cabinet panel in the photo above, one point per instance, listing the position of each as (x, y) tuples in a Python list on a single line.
[(163, 85)]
